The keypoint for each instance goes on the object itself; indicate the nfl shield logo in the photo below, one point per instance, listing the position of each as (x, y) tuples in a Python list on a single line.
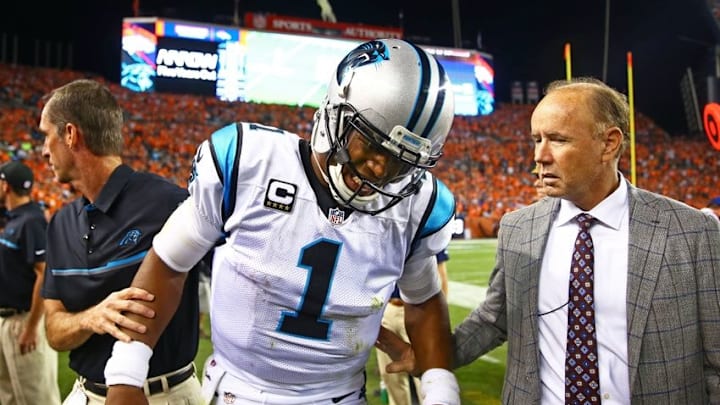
[(336, 216)]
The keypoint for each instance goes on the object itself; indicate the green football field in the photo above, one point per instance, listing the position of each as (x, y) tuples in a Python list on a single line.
[(468, 271)]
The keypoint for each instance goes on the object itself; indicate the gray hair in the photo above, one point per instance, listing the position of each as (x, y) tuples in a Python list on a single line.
[(91, 107)]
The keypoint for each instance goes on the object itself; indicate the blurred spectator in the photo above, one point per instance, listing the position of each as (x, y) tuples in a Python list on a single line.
[(487, 158)]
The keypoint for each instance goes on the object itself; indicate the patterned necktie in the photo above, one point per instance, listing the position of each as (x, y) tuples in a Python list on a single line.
[(582, 381)]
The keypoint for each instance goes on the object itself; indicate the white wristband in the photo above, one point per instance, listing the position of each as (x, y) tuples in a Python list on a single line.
[(439, 387), (129, 364)]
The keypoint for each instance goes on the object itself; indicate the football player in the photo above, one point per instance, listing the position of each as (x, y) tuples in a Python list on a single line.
[(316, 234)]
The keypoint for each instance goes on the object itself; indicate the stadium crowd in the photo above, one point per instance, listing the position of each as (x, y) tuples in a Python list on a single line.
[(488, 159)]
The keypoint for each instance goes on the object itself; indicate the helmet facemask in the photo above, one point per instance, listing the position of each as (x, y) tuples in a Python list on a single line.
[(407, 156)]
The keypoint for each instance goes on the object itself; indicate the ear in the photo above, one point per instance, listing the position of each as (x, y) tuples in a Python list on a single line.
[(71, 135), (612, 143)]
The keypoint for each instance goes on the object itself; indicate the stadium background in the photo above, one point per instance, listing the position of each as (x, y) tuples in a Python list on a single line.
[(488, 159)]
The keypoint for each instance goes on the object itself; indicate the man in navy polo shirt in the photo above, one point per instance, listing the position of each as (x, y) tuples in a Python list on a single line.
[(96, 243), (28, 366)]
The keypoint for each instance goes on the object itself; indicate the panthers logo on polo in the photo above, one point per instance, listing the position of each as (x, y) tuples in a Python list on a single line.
[(131, 238)]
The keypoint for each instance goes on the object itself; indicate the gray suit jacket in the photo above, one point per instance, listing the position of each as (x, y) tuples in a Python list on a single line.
[(673, 303)]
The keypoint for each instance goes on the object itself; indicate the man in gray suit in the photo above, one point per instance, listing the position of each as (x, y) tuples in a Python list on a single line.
[(656, 271)]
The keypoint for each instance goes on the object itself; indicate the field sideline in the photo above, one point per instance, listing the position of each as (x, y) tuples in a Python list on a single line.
[(469, 268)]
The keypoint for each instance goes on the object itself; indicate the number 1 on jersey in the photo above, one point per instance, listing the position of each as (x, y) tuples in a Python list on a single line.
[(319, 258)]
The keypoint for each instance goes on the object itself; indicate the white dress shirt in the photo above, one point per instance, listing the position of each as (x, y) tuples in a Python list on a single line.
[(610, 238)]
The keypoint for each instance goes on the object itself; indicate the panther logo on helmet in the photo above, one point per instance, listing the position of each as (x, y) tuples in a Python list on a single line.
[(367, 53)]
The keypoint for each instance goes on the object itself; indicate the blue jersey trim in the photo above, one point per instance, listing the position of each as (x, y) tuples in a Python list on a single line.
[(9, 244), (442, 211), (112, 265), (224, 143)]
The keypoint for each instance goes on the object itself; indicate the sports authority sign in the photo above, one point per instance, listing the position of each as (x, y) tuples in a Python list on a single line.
[(281, 23)]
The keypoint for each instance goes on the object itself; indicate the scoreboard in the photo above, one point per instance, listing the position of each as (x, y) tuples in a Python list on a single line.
[(237, 64)]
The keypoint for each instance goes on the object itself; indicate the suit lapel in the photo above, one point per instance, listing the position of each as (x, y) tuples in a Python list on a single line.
[(648, 233)]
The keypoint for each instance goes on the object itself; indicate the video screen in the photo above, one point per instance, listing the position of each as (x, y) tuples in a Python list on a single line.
[(472, 76), (268, 67), (290, 69), (137, 58), (186, 66)]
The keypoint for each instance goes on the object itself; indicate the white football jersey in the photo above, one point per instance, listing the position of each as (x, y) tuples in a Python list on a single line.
[(298, 291)]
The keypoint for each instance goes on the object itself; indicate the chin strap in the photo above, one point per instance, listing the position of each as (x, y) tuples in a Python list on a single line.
[(345, 193), (339, 190)]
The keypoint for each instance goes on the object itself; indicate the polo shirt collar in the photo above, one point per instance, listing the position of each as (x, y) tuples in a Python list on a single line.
[(111, 190), (15, 212)]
